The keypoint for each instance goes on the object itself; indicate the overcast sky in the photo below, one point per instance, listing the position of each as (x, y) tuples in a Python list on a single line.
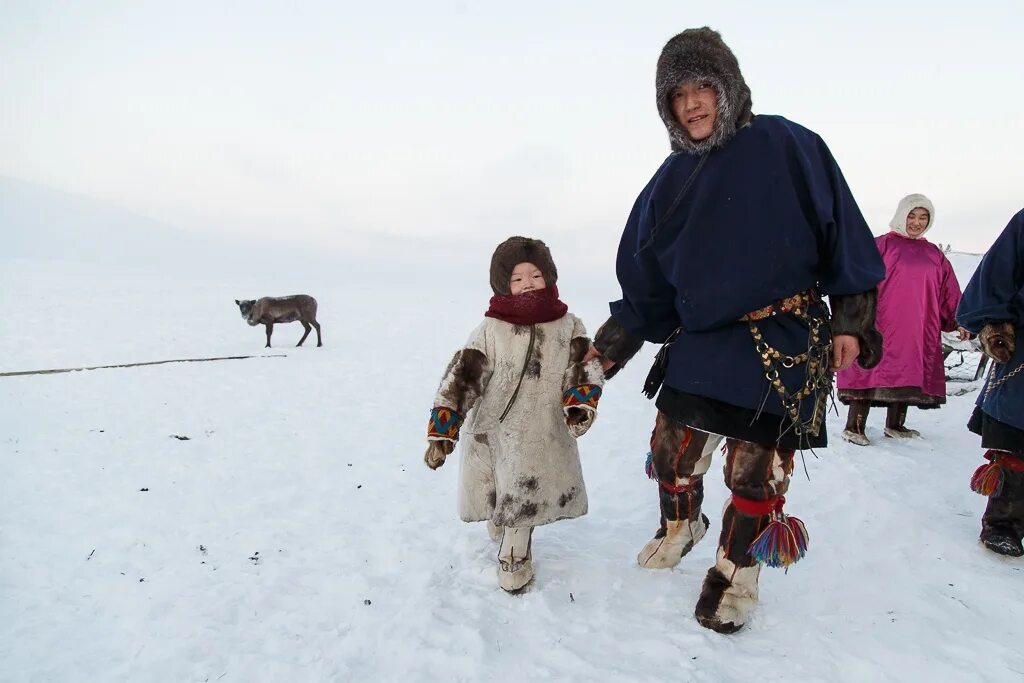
[(338, 124)]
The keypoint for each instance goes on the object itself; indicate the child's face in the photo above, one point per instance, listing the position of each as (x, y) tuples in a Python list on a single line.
[(526, 277)]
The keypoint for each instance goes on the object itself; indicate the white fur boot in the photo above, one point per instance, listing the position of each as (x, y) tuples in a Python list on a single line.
[(728, 596), (667, 551), (515, 560)]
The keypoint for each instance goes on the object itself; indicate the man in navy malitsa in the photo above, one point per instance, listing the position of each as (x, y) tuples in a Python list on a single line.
[(724, 261)]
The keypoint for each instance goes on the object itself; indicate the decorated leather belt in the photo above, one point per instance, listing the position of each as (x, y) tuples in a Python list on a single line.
[(797, 304), (815, 361)]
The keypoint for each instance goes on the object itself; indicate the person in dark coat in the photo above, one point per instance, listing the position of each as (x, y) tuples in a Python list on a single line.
[(993, 307), (724, 261)]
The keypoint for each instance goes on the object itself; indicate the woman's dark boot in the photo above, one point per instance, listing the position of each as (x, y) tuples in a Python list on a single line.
[(856, 420), (895, 423)]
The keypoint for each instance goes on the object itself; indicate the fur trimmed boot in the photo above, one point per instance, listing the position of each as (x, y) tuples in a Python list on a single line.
[(674, 540), (856, 420), (678, 460), (1003, 521), (515, 559), (728, 595), (1001, 539), (754, 530), (895, 423)]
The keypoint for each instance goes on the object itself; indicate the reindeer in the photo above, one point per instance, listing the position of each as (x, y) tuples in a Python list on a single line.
[(282, 309)]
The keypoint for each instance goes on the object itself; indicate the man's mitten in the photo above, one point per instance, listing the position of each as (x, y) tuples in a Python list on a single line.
[(436, 453), (998, 341)]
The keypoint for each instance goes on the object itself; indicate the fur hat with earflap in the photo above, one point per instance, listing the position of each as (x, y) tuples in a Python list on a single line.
[(700, 54), (516, 250), (908, 204)]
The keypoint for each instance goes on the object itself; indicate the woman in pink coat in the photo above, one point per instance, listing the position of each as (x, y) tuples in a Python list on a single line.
[(916, 302)]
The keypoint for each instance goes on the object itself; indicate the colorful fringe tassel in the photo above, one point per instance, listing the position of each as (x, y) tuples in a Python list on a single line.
[(782, 543), (785, 539), (668, 486), (988, 479)]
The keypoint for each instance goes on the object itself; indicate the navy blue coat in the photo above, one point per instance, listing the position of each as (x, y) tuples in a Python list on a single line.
[(769, 215), (996, 294)]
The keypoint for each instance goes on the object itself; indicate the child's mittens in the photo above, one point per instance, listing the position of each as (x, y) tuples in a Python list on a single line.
[(444, 424), (442, 433), (436, 453), (580, 406)]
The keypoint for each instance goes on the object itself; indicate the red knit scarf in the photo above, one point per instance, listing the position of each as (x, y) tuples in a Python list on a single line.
[(528, 308)]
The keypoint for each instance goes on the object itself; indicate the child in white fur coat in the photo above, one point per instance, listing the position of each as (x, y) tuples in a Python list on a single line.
[(518, 395)]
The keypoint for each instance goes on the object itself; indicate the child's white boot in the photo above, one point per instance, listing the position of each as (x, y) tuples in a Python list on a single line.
[(515, 561)]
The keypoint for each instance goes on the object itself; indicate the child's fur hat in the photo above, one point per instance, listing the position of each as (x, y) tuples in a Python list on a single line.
[(516, 250)]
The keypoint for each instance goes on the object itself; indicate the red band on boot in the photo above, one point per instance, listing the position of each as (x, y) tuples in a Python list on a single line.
[(674, 488), (1006, 460), (757, 508)]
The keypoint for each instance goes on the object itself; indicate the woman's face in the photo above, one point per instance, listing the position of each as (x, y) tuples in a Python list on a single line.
[(917, 222), (695, 106)]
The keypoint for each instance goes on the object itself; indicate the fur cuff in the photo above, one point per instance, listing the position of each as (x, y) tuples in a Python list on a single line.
[(998, 341), (579, 419), (854, 314), (444, 425), (617, 344)]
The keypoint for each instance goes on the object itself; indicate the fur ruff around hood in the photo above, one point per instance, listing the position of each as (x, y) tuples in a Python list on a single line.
[(908, 204), (700, 54)]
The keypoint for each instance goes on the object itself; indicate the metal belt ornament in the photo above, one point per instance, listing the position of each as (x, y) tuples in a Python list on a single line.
[(992, 384), (818, 380)]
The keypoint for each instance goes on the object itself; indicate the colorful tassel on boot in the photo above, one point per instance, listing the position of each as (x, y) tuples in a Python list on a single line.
[(988, 479), (668, 486), (784, 541)]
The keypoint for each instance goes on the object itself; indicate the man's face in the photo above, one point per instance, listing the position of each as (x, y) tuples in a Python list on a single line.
[(695, 106)]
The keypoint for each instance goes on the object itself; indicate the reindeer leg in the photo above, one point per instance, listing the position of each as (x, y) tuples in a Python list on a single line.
[(270, 331), (305, 326), (317, 326)]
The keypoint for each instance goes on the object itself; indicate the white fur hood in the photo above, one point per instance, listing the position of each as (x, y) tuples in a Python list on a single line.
[(908, 204)]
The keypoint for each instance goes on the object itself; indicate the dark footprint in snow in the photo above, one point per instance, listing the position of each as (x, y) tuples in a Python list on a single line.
[(180, 437)]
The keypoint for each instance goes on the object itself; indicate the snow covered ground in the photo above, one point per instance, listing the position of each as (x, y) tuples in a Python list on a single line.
[(297, 536)]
